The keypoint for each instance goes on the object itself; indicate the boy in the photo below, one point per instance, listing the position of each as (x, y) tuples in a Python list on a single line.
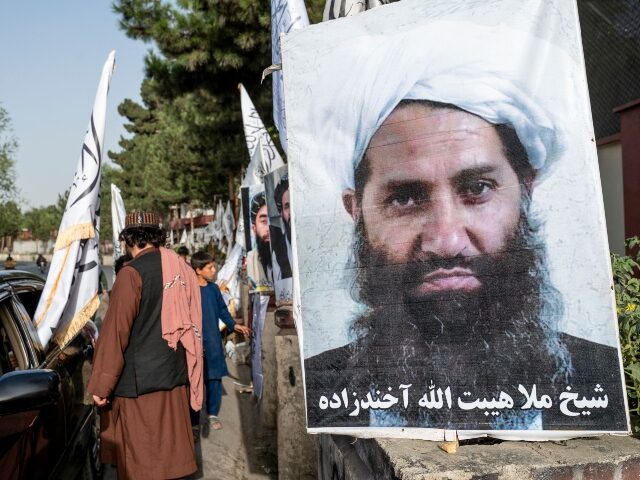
[(213, 308)]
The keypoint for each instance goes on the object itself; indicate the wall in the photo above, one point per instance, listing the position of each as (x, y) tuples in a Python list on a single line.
[(610, 163), (606, 458)]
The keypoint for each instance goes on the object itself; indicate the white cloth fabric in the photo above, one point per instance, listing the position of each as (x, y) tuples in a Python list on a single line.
[(480, 72), (286, 16), (259, 139), (118, 213), (228, 224), (69, 297)]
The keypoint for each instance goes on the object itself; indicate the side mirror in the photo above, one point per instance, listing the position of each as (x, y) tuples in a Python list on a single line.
[(26, 390)]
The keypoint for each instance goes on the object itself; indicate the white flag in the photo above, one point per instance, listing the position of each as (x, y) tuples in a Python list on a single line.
[(344, 8), (218, 233), (228, 223), (256, 134), (228, 277), (240, 230), (286, 16), (70, 295), (117, 222), (256, 169)]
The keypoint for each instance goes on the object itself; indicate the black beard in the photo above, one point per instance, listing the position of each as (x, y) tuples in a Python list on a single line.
[(264, 253), (287, 228), (500, 336)]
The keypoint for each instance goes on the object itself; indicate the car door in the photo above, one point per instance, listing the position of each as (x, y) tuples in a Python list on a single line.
[(77, 418), (30, 410)]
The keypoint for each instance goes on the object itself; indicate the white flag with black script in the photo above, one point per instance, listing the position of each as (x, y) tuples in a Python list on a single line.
[(343, 8), (256, 134), (70, 295), (118, 213)]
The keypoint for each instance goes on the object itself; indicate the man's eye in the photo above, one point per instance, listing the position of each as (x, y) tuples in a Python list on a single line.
[(406, 198), (477, 188)]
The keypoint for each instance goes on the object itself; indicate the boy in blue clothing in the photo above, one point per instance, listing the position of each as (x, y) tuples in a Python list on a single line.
[(213, 309)]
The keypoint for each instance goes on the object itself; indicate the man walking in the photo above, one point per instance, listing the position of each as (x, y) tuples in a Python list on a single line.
[(146, 361)]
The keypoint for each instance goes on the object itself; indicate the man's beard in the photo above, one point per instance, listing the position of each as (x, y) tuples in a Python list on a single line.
[(287, 228), (264, 253), (503, 334)]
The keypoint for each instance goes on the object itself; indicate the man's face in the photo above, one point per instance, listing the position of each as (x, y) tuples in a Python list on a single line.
[(441, 195), (261, 227), (286, 207)]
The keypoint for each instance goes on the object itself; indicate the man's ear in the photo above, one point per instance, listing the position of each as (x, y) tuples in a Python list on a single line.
[(350, 204)]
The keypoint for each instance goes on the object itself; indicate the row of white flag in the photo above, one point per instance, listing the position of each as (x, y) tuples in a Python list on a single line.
[(70, 298)]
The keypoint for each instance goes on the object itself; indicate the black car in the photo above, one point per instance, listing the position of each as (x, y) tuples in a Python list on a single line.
[(48, 424)]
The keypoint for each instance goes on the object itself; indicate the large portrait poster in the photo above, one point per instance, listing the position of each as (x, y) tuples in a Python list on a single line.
[(451, 267), (276, 185)]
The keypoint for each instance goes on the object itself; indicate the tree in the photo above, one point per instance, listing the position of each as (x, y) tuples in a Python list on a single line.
[(42, 221), (10, 221), (187, 135), (10, 215), (8, 147)]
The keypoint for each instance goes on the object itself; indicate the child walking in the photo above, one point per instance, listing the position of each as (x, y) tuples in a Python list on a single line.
[(213, 309)]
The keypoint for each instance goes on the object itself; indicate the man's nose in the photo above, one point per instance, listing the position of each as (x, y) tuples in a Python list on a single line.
[(445, 230)]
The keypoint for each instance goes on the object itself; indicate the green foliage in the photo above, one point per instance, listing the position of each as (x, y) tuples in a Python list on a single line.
[(626, 277), (10, 218), (10, 214), (8, 147), (42, 221), (187, 138)]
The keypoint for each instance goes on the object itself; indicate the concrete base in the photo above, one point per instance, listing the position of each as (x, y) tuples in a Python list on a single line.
[(296, 448), (269, 401), (606, 458)]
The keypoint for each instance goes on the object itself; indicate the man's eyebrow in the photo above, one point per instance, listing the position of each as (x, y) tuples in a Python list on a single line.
[(405, 184), (474, 172)]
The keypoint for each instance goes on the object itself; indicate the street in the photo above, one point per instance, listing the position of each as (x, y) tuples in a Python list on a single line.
[(242, 449)]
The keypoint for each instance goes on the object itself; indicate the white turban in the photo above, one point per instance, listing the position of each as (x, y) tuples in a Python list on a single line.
[(495, 72)]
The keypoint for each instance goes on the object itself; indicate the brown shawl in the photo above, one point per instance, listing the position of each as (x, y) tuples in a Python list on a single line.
[(182, 317)]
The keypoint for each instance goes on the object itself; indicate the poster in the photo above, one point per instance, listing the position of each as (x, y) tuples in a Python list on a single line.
[(254, 209), (276, 186), (451, 267), (260, 304)]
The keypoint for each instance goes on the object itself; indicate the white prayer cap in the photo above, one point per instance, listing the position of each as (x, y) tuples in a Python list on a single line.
[(503, 75)]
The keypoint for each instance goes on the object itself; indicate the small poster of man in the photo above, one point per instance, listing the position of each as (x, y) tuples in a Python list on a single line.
[(451, 265), (254, 208), (276, 186)]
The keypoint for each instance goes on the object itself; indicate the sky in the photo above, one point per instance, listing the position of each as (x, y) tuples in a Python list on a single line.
[(51, 57)]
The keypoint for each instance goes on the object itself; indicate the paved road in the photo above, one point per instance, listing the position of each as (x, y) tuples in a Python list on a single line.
[(33, 268), (27, 267), (243, 449)]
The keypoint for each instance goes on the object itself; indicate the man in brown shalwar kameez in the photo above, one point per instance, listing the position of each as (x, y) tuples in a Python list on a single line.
[(141, 383)]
